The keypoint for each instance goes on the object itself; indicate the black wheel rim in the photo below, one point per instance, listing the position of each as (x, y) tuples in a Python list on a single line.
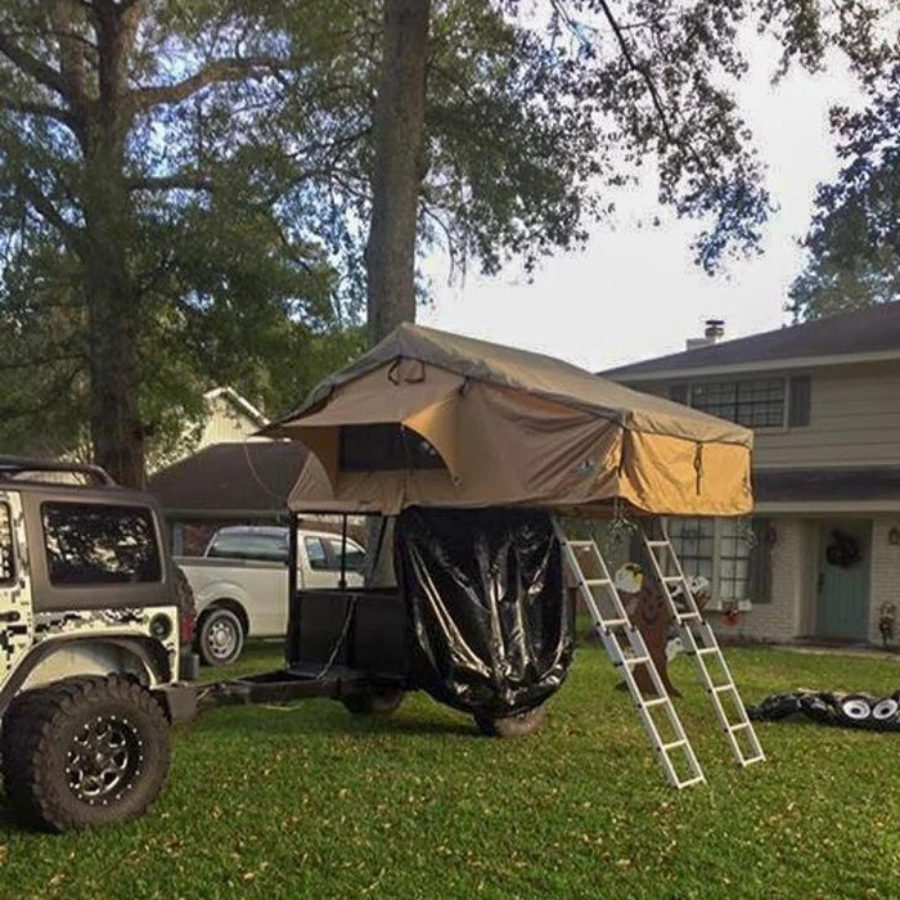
[(221, 639), (104, 760)]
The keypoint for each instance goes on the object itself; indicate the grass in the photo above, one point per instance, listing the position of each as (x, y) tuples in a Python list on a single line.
[(307, 801)]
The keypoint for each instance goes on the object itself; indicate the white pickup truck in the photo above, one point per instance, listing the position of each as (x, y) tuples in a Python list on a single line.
[(240, 583)]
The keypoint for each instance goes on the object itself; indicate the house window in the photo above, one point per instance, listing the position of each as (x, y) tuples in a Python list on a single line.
[(718, 549), (757, 403)]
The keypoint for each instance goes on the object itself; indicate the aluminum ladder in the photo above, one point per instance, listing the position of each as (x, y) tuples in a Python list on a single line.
[(626, 647), (700, 643)]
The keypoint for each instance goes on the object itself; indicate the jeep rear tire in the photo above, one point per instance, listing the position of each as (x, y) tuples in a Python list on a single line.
[(84, 753)]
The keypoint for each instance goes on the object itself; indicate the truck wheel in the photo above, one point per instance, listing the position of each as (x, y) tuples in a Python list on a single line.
[(376, 702), (85, 752), (511, 726), (221, 636)]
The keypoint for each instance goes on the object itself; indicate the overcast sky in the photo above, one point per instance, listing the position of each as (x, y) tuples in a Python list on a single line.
[(634, 292)]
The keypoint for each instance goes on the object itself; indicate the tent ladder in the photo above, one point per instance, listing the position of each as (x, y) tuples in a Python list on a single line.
[(626, 647), (700, 643)]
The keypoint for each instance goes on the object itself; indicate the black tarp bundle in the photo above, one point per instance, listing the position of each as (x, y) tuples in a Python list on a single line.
[(492, 622), (831, 708)]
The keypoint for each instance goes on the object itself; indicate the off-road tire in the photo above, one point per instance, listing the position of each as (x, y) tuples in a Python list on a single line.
[(41, 735), (224, 618), (381, 702), (511, 726)]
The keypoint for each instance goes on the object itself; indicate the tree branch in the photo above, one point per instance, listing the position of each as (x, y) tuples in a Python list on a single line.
[(641, 70), (186, 181), (230, 69), (47, 210), (37, 109), (31, 65)]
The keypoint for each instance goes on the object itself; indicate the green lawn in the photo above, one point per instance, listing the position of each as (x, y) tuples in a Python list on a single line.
[(307, 801)]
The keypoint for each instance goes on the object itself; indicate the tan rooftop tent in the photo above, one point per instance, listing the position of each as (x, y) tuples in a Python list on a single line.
[(433, 419)]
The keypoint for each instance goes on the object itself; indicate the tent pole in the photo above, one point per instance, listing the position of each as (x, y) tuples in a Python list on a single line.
[(293, 524), (342, 584)]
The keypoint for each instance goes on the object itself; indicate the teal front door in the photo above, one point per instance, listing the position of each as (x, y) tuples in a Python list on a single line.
[(842, 610)]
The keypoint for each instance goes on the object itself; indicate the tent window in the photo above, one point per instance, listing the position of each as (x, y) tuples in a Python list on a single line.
[(385, 447)]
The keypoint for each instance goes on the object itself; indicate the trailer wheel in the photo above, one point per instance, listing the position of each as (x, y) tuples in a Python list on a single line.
[(220, 638), (85, 752), (379, 702), (511, 726)]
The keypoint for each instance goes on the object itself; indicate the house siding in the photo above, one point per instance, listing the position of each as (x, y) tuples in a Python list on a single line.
[(226, 423), (854, 419)]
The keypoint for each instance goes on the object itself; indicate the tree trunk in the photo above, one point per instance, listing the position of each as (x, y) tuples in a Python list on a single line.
[(391, 249), (114, 316), (116, 432), (399, 129)]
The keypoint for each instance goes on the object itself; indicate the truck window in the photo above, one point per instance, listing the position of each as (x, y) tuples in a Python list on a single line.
[(315, 552), (355, 556), (88, 543), (264, 547), (7, 558)]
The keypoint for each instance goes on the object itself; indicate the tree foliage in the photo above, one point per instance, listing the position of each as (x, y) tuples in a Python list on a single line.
[(185, 187), (853, 244)]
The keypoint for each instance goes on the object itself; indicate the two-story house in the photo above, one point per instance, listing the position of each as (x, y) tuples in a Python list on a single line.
[(823, 399)]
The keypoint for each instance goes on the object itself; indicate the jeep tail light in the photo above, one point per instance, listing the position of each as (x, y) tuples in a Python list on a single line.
[(186, 626)]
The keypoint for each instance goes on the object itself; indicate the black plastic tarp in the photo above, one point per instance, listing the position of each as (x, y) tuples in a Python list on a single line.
[(492, 622)]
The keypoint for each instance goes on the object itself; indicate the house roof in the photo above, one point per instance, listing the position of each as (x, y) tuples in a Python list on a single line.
[(231, 479), (230, 394), (836, 486), (869, 334)]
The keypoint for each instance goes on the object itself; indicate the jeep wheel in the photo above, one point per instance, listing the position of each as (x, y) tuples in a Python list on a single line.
[(86, 752), (511, 726), (380, 702), (221, 636)]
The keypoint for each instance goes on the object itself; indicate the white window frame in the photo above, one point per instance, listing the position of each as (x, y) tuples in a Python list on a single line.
[(715, 604)]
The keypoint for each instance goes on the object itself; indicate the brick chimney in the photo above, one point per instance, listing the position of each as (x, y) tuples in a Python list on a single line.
[(713, 332)]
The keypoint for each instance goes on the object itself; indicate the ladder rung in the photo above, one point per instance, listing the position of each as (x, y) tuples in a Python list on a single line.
[(707, 651), (689, 615), (695, 780), (760, 757), (637, 660), (674, 745), (593, 582), (739, 727), (612, 623), (657, 543), (577, 544), (721, 688), (672, 578), (657, 701)]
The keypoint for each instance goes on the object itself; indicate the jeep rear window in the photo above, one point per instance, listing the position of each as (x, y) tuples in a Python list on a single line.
[(7, 559), (90, 543)]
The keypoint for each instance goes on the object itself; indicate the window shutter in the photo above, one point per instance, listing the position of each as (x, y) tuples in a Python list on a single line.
[(679, 393), (760, 562), (798, 410)]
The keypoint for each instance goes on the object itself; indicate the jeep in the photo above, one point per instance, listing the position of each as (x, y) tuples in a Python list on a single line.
[(95, 645)]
